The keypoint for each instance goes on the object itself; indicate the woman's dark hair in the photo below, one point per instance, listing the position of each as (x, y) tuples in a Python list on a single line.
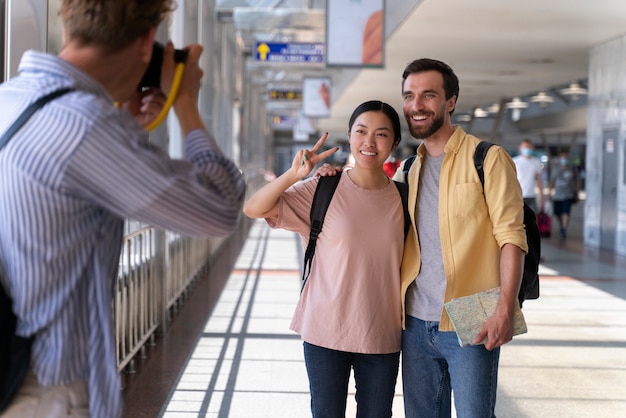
[(450, 80), (378, 106)]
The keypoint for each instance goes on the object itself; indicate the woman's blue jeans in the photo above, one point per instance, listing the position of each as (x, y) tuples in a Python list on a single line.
[(329, 373), (434, 364)]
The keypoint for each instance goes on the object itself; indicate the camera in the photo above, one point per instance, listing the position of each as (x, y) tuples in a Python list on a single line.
[(152, 76)]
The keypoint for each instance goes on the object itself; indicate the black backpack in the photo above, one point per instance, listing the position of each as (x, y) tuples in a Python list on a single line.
[(321, 200), (14, 353), (529, 288), (15, 350)]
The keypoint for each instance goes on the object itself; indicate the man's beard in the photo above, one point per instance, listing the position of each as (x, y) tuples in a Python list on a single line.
[(424, 132)]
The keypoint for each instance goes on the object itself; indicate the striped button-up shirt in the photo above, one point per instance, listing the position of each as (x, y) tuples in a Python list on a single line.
[(68, 179)]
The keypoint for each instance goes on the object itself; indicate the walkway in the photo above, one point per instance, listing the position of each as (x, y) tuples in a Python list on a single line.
[(247, 363)]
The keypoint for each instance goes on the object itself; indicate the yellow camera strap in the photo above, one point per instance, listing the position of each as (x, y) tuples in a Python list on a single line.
[(178, 77), (180, 57)]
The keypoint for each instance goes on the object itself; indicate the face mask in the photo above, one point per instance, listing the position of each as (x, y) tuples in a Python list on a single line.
[(563, 161), (526, 152)]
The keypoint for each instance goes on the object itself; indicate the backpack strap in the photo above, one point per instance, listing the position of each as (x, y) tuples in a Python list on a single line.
[(403, 189), (404, 192), (407, 166), (529, 287), (21, 120), (321, 200), (479, 159)]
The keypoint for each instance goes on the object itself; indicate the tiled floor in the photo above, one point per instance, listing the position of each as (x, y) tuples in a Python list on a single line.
[(245, 362)]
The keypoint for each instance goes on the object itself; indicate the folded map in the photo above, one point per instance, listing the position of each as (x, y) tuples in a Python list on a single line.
[(468, 314)]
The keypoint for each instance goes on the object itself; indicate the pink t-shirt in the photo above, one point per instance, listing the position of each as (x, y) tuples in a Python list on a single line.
[(351, 301)]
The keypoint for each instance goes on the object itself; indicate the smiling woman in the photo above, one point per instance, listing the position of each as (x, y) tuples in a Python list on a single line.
[(373, 133), (349, 310)]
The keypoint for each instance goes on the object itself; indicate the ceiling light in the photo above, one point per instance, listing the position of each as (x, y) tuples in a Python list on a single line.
[(516, 105), (479, 112), (464, 118), (542, 99), (494, 108), (574, 90)]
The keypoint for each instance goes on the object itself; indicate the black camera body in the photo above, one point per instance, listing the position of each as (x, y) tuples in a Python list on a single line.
[(152, 76)]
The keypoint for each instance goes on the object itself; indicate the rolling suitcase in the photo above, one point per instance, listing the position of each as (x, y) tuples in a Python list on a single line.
[(544, 222)]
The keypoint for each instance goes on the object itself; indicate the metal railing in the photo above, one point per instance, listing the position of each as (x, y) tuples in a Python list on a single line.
[(156, 271), (136, 298)]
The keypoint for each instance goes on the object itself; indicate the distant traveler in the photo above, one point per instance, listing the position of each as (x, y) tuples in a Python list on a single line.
[(349, 313), (566, 183), (529, 175), (72, 175)]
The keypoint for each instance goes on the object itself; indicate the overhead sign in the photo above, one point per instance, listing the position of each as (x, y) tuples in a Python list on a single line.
[(284, 122), (289, 52), (303, 128), (285, 94), (316, 97)]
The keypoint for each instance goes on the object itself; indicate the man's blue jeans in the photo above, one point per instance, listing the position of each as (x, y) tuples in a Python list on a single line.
[(329, 373), (434, 364)]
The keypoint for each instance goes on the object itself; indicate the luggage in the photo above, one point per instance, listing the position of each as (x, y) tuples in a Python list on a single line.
[(544, 222)]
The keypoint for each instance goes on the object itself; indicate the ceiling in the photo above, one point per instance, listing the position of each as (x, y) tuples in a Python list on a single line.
[(499, 50)]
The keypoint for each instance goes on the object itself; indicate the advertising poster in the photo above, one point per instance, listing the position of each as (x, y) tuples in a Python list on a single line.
[(355, 33), (316, 97), (303, 127)]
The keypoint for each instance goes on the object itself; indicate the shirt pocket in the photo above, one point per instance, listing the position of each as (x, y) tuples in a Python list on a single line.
[(469, 201)]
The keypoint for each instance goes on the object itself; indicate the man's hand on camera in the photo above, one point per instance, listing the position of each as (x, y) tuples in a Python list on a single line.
[(186, 101), (327, 169)]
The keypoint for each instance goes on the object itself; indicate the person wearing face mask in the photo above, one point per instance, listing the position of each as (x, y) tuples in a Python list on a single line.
[(529, 175), (565, 185)]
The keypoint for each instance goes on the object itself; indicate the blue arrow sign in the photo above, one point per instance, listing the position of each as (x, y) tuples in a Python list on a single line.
[(289, 52)]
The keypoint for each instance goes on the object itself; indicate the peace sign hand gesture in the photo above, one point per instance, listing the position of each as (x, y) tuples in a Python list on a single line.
[(305, 160), (264, 203)]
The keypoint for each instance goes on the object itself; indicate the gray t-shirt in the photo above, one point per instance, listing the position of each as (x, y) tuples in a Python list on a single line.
[(564, 178), (424, 298)]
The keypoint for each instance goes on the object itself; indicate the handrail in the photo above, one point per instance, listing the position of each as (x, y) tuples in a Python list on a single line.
[(156, 271)]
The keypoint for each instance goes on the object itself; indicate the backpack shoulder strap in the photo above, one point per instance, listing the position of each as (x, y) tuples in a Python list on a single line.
[(479, 159), (403, 189), (21, 120), (407, 166), (321, 200)]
